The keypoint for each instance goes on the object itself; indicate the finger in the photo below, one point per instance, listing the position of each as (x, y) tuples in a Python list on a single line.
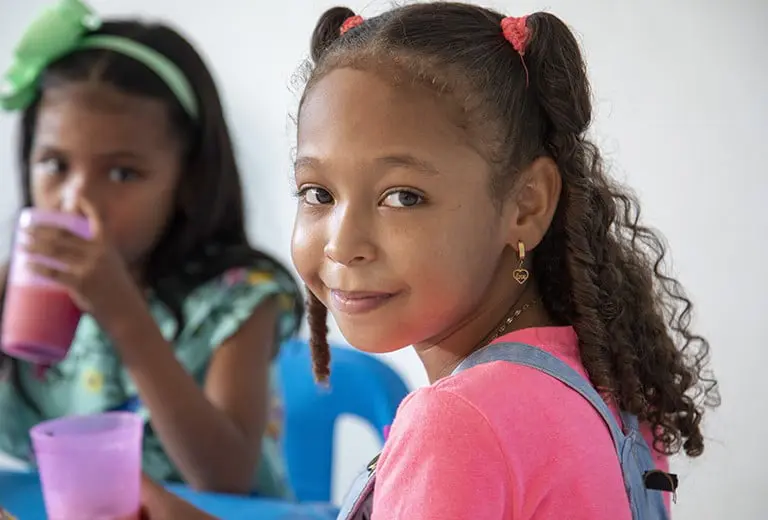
[(147, 483), (61, 275), (47, 233), (153, 500), (67, 249), (92, 214)]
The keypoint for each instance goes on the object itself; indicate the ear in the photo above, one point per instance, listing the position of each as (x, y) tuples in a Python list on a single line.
[(533, 201)]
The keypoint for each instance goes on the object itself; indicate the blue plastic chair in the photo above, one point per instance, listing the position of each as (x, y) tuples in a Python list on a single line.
[(360, 385)]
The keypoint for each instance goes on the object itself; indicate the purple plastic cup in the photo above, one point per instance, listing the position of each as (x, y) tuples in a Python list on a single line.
[(90, 466), (39, 317)]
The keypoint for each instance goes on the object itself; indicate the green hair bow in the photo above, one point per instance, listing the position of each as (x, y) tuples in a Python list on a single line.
[(65, 28)]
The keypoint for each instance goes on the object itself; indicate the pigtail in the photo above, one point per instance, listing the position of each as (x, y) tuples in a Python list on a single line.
[(559, 75), (612, 263), (331, 26), (328, 30), (317, 316)]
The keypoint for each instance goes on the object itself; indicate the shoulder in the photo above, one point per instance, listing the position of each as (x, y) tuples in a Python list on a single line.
[(441, 420), (227, 300), (530, 411), (246, 282), (501, 388), (442, 460), (432, 407)]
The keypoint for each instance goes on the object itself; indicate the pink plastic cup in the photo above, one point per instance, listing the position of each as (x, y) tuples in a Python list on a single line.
[(39, 317), (90, 466)]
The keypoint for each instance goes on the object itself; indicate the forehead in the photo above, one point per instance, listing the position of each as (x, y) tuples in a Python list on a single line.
[(92, 115), (359, 111)]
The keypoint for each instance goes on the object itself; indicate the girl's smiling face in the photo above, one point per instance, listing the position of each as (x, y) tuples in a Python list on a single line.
[(397, 231)]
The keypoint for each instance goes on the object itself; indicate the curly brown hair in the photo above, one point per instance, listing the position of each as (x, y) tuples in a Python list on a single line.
[(597, 268)]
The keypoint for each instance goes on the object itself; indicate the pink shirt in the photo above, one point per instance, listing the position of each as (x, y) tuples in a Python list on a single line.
[(502, 441)]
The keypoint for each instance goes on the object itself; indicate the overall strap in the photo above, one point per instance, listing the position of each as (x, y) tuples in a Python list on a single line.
[(526, 355)]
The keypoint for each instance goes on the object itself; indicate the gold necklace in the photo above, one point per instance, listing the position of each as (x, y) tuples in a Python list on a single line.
[(502, 328)]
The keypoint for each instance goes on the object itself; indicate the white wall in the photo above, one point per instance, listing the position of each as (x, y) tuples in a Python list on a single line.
[(682, 115)]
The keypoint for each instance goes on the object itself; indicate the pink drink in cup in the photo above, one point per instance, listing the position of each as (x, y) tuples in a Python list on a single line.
[(39, 316), (90, 466)]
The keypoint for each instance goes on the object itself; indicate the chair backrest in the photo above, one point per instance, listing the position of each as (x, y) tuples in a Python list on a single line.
[(360, 385)]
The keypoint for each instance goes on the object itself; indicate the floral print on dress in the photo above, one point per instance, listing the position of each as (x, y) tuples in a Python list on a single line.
[(5, 515), (251, 276), (274, 429), (93, 380)]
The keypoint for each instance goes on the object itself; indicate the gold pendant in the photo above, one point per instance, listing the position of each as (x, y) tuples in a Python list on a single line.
[(521, 275)]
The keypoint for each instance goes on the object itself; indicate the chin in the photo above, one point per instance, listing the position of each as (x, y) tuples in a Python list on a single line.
[(376, 339)]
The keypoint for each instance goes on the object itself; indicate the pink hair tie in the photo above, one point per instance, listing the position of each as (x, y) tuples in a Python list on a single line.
[(350, 23), (516, 32)]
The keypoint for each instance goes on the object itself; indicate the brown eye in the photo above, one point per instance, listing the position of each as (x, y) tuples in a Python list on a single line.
[(122, 175)]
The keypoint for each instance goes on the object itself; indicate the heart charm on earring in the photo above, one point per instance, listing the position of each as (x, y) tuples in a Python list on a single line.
[(520, 275)]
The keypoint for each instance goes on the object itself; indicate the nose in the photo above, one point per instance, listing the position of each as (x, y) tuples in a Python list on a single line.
[(76, 187), (351, 238)]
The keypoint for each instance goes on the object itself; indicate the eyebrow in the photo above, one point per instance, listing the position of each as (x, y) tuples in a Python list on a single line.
[(117, 154), (305, 162), (121, 154), (408, 161), (389, 161)]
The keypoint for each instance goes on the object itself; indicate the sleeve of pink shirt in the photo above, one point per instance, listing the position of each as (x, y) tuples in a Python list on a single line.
[(447, 464)]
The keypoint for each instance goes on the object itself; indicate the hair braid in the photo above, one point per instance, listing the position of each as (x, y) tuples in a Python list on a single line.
[(317, 316)]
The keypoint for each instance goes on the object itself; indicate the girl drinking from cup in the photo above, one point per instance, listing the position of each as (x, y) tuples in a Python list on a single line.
[(121, 123)]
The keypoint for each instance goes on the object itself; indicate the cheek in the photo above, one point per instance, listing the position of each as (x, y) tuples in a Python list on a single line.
[(454, 247), (306, 247), (44, 191), (451, 272), (136, 229), (452, 276), (137, 222)]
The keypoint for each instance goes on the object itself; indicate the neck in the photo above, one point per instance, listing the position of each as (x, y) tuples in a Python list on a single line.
[(442, 355)]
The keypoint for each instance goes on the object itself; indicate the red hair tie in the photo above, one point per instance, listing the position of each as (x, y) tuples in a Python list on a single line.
[(350, 23), (517, 33)]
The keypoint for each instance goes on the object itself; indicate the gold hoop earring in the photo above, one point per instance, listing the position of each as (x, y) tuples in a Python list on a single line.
[(521, 274)]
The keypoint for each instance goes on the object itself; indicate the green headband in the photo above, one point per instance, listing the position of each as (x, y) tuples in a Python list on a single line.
[(65, 28)]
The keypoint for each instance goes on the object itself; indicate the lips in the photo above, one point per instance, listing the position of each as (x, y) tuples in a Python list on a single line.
[(358, 302)]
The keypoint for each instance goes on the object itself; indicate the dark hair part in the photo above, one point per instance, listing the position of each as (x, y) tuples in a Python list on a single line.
[(597, 268), (206, 234)]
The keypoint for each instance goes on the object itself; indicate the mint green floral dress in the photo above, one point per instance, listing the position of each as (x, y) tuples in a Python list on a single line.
[(92, 379)]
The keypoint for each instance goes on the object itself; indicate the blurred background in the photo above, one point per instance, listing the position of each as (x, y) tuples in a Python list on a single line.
[(682, 114)]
